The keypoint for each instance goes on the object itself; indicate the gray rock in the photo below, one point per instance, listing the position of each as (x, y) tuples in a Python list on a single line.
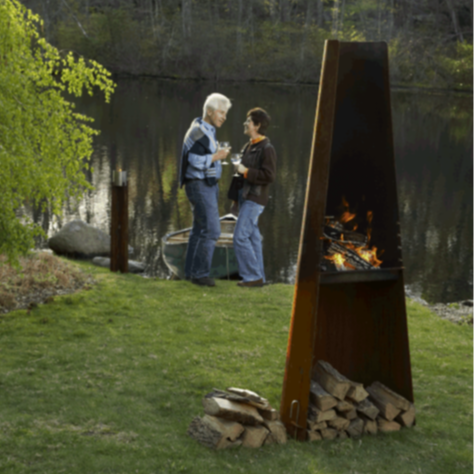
[(81, 240), (134, 266)]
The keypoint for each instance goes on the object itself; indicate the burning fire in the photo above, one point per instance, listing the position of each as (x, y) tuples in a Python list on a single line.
[(347, 252), (338, 260), (347, 216)]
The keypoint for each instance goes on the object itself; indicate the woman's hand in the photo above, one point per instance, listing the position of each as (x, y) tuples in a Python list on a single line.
[(241, 169)]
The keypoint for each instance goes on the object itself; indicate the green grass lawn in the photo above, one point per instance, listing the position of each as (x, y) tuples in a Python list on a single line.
[(108, 380)]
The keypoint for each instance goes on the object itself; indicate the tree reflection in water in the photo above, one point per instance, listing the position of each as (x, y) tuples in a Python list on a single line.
[(142, 132)]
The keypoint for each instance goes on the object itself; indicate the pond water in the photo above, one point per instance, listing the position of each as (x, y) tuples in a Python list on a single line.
[(142, 132)]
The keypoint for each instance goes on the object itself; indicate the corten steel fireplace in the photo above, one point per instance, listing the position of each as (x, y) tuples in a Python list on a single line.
[(356, 319)]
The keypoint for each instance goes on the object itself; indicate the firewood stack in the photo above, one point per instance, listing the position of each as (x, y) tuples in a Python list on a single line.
[(237, 417), (340, 408)]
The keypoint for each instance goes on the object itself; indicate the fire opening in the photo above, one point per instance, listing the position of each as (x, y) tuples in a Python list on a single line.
[(347, 242)]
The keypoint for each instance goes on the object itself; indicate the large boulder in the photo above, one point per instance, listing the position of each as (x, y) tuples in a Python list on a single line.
[(80, 240)]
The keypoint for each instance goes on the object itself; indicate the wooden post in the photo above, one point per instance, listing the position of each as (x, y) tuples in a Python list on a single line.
[(119, 223)]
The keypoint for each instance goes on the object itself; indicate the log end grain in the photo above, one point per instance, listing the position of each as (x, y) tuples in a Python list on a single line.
[(254, 436)]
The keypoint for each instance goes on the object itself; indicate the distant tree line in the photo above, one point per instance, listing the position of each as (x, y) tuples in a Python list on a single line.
[(430, 41)]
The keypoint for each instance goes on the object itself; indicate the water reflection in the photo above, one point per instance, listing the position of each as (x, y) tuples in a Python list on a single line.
[(142, 131)]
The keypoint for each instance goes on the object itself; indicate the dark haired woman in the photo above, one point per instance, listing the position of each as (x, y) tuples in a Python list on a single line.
[(258, 169)]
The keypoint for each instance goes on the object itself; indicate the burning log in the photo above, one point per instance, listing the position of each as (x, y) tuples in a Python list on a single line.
[(339, 234), (347, 248), (350, 256)]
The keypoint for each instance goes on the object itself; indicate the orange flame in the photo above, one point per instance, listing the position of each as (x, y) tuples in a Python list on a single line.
[(338, 260), (369, 218), (366, 253), (347, 216)]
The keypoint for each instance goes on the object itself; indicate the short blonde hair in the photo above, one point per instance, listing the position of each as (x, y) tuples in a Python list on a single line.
[(216, 101)]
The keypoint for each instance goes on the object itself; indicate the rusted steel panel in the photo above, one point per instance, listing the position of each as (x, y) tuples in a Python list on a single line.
[(296, 384), (362, 332)]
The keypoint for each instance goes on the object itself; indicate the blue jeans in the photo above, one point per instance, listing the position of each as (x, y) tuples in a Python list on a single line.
[(206, 228), (248, 242)]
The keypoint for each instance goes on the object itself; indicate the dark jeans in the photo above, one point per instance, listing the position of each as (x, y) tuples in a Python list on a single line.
[(206, 228)]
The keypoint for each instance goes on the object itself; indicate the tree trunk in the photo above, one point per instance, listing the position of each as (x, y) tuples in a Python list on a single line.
[(308, 20), (335, 12), (273, 11), (379, 20), (186, 18), (152, 18), (239, 32), (46, 19), (453, 15), (470, 7), (284, 16), (409, 15), (342, 15), (320, 14), (250, 21), (391, 19)]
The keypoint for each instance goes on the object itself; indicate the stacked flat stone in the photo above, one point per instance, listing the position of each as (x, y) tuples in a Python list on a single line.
[(237, 417)]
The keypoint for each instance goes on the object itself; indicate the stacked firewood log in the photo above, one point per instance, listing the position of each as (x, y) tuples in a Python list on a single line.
[(341, 408), (237, 417)]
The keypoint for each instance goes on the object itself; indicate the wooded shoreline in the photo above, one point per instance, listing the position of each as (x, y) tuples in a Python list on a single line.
[(430, 41), (395, 87)]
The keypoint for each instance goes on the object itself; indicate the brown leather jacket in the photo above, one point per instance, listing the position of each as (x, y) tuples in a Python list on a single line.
[(261, 161)]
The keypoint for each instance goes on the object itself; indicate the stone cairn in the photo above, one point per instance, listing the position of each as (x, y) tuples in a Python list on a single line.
[(237, 417)]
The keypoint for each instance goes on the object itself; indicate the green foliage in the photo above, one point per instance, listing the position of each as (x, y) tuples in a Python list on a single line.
[(263, 40), (108, 380), (459, 66), (44, 145)]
